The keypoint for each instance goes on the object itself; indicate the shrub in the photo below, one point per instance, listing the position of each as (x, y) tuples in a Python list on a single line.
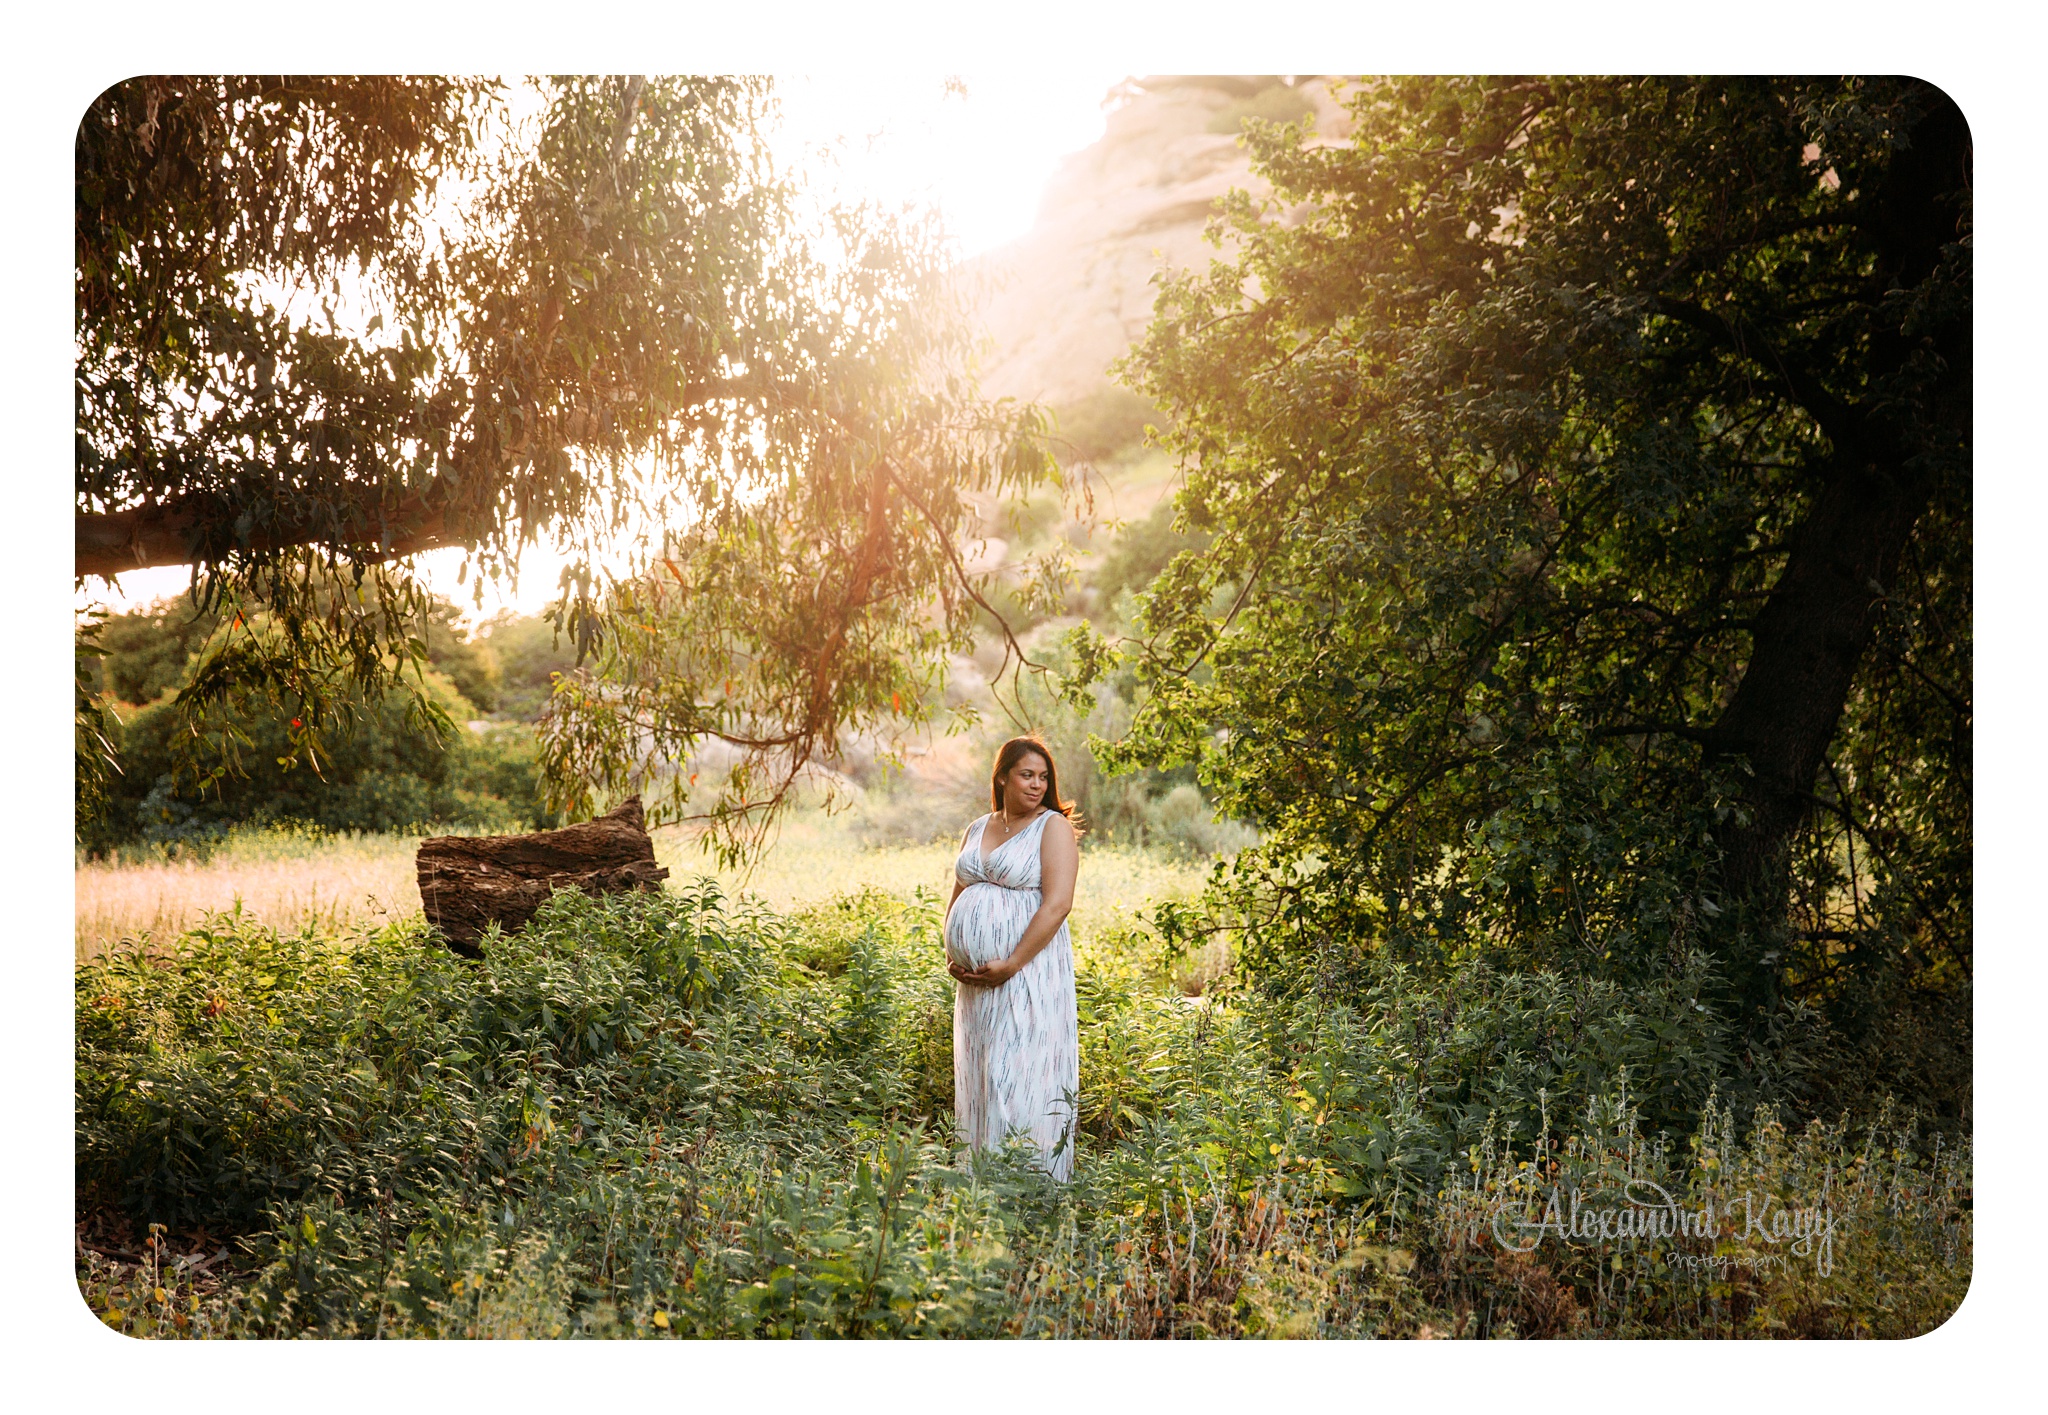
[(1107, 425), (379, 775)]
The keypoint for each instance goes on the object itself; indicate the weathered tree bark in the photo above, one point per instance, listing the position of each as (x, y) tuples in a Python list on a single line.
[(467, 882)]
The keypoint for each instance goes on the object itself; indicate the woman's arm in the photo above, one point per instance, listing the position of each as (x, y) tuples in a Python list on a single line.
[(1059, 862)]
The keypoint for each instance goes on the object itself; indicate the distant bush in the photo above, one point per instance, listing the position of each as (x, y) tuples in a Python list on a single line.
[(1026, 523), (528, 654), (148, 651), (1107, 424), (1276, 103), (381, 773), (1137, 555)]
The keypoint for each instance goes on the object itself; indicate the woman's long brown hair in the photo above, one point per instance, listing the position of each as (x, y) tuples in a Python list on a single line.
[(1014, 751)]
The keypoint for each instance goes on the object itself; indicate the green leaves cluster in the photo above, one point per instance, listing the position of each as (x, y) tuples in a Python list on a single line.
[(190, 770)]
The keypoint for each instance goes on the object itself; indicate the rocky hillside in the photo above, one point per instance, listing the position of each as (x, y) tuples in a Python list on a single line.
[(1061, 303)]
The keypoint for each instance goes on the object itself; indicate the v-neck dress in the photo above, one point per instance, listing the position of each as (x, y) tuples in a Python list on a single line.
[(1016, 1048)]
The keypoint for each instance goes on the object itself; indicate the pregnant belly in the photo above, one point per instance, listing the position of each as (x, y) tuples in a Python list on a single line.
[(987, 922)]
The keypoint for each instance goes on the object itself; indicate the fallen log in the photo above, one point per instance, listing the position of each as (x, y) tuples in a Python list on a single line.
[(467, 882)]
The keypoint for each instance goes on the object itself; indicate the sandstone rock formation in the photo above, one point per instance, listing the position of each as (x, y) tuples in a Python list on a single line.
[(1073, 293)]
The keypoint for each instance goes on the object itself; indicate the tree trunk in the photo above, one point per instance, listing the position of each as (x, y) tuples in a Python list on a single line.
[(1808, 642), (1813, 631), (468, 882)]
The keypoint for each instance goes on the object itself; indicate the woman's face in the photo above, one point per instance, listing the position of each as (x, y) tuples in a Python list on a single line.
[(1024, 787)]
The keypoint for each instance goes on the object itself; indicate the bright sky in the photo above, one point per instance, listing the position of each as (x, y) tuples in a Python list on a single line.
[(979, 147)]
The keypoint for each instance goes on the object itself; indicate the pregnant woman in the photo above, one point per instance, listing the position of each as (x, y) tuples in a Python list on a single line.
[(1016, 1039)]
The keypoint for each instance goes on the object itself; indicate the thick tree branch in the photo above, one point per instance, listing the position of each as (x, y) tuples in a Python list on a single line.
[(143, 537)]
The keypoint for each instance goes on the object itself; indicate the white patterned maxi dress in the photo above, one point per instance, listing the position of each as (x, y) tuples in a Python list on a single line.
[(1016, 1048)]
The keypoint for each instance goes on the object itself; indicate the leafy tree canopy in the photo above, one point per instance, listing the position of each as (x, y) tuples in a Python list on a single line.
[(327, 323), (1589, 483)]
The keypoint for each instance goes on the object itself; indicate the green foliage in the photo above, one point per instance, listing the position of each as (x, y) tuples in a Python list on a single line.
[(150, 652), (1141, 550), (467, 662), (529, 654), (1516, 629), (1163, 809), (376, 769), (501, 763), (381, 773), (93, 726), (146, 653), (669, 1115)]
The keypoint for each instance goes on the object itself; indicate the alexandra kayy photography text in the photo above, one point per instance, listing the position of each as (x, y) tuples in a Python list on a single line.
[(1642, 1211)]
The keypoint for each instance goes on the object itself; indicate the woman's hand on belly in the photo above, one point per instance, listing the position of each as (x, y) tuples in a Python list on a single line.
[(988, 975)]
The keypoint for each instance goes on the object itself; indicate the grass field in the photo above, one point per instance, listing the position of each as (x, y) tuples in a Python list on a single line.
[(287, 879), (676, 1115), (681, 1115)]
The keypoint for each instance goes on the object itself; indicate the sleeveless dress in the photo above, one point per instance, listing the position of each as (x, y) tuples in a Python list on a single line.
[(1016, 1048)]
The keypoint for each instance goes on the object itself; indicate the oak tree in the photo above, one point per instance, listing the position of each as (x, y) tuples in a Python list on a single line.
[(1587, 463)]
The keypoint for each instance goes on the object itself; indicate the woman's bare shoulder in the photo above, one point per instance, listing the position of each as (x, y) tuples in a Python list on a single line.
[(1058, 825)]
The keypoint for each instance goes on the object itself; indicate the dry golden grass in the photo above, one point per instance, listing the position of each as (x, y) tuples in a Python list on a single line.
[(286, 880), (290, 879), (816, 856)]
